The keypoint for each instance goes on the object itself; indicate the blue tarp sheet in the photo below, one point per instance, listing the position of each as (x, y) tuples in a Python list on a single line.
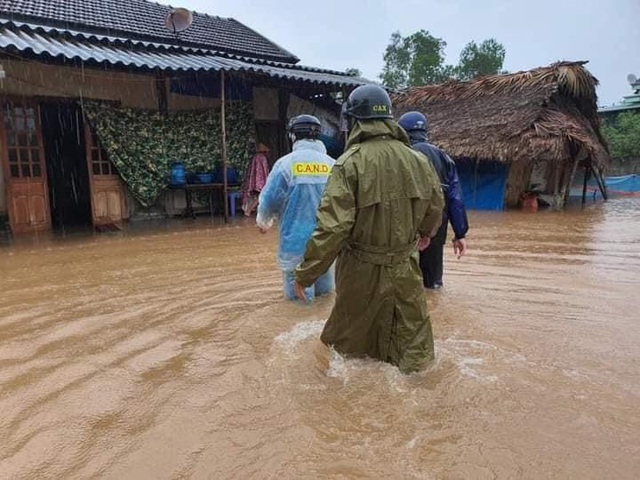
[(624, 185), (483, 185)]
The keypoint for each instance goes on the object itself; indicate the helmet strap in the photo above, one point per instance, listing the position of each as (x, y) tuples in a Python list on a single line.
[(351, 123)]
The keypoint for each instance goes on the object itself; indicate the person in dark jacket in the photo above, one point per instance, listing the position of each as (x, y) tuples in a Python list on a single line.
[(431, 259)]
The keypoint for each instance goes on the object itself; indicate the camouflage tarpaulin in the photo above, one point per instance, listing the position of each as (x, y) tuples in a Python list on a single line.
[(143, 144)]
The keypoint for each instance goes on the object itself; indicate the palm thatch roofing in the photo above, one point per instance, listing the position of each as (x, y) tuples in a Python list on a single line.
[(548, 113)]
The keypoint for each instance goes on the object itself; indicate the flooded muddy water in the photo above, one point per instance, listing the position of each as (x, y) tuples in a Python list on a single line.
[(171, 353)]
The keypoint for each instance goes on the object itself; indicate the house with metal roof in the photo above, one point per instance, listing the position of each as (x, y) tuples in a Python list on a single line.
[(100, 97), (629, 102)]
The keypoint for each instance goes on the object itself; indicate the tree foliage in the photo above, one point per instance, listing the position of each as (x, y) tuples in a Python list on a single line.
[(419, 59), (354, 72), (414, 60), (623, 135), (478, 60)]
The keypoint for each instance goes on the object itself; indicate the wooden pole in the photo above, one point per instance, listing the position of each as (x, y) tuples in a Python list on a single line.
[(605, 193), (225, 186), (584, 184), (284, 98), (161, 90), (566, 192), (600, 181), (556, 188)]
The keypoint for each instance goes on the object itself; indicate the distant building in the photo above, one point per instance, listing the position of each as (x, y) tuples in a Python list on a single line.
[(629, 102)]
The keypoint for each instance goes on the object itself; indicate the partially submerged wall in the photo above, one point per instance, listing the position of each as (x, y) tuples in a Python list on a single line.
[(33, 79), (30, 79), (627, 166)]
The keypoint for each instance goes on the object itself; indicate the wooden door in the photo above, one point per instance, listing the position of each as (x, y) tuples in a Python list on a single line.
[(25, 167), (108, 194)]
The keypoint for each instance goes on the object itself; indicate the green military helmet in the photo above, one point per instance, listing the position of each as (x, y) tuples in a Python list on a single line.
[(369, 102)]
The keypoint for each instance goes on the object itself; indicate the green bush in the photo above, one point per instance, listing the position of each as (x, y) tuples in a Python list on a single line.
[(623, 135)]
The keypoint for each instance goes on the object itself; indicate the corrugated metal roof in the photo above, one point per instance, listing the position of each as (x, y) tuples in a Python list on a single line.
[(41, 44), (56, 32), (618, 108)]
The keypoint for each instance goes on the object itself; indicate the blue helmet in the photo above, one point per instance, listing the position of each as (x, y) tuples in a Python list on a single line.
[(304, 126), (412, 121)]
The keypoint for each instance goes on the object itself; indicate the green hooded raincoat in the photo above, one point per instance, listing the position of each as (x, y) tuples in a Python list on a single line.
[(380, 198)]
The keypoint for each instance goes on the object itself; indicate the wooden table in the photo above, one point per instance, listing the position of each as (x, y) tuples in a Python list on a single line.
[(209, 188)]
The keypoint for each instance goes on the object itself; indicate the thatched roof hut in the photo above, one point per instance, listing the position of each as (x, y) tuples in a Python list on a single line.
[(543, 116)]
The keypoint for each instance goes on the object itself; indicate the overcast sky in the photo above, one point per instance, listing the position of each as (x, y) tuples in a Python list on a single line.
[(339, 34)]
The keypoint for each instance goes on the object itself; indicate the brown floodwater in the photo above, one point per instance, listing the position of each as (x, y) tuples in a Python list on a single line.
[(169, 352)]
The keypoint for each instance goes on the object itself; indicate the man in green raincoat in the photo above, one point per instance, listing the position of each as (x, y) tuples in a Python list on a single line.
[(381, 201)]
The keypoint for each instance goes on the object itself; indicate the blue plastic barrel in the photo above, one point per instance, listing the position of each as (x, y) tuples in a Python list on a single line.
[(178, 174), (232, 175)]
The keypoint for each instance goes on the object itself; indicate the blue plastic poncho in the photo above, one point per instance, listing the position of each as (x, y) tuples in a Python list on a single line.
[(292, 194)]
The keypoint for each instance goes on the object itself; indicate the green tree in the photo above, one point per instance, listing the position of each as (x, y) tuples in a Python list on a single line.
[(478, 60), (623, 135), (414, 60), (354, 72)]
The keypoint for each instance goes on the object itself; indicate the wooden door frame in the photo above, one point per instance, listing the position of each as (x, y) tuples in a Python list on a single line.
[(89, 160), (4, 157), (86, 128), (36, 101)]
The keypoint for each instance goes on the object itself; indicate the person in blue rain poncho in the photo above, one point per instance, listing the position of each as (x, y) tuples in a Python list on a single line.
[(292, 195)]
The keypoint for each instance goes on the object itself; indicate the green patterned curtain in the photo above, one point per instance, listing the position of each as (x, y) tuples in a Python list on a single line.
[(143, 144)]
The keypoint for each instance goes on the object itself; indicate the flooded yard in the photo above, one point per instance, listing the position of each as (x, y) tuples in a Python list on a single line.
[(171, 353)]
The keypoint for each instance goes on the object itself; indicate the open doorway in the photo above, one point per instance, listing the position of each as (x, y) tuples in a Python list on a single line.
[(68, 177), (272, 134)]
